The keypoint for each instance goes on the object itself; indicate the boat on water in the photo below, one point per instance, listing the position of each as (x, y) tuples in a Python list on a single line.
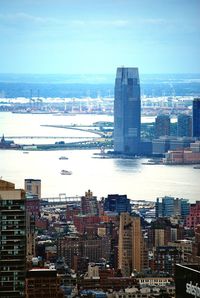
[(63, 157), (65, 172), (25, 152), (196, 167)]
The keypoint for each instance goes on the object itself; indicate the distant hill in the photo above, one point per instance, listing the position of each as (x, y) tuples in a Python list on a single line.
[(60, 85)]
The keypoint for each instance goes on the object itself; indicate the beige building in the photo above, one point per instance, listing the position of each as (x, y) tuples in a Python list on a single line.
[(130, 248), (33, 186)]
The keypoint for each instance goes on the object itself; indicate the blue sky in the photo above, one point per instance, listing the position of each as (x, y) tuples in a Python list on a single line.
[(97, 36)]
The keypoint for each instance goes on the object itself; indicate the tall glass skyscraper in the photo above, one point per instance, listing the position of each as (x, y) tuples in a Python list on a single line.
[(196, 118), (127, 111)]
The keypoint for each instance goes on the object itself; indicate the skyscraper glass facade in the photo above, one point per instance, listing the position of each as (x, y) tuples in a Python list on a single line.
[(127, 111)]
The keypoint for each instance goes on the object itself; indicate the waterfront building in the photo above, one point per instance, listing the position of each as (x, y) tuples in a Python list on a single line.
[(196, 118), (6, 144), (117, 203), (12, 240), (89, 204), (33, 186), (170, 206), (160, 146), (162, 126), (130, 244), (195, 147), (163, 144), (184, 125), (184, 156), (127, 111)]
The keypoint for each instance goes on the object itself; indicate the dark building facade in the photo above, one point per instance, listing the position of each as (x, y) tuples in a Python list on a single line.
[(162, 126), (117, 203), (187, 281), (196, 118), (127, 111), (12, 240), (184, 125)]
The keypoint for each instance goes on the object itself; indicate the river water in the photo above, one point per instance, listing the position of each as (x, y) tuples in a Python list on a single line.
[(101, 176)]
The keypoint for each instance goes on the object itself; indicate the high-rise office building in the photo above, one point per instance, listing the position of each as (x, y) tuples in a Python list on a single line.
[(170, 206), (162, 126), (184, 125), (33, 186), (130, 254), (196, 118), (12, 240), (127, 111), (117, 203)]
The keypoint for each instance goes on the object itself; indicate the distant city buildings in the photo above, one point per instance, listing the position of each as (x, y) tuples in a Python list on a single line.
[(170, 206), (127, 111), (196, 117), (184, 156), (162, 126), (184, 125)]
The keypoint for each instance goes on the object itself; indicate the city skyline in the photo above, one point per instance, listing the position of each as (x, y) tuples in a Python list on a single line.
[(98, 36)]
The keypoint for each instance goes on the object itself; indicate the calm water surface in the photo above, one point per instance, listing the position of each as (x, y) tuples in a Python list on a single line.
[(102, 176)]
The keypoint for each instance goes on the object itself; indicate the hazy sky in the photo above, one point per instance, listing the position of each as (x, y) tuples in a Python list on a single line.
[(97, 36)]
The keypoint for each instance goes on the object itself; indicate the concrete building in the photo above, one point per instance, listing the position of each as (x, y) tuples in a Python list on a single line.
[(33, 186), (89, 204), (196, 118), (12, 240), (184, 125), (127, 111), (130, 245), (43, 283), (166, 257), (162, 231)]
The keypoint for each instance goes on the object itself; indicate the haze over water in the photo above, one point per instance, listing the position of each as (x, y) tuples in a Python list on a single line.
[(102, 176)]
